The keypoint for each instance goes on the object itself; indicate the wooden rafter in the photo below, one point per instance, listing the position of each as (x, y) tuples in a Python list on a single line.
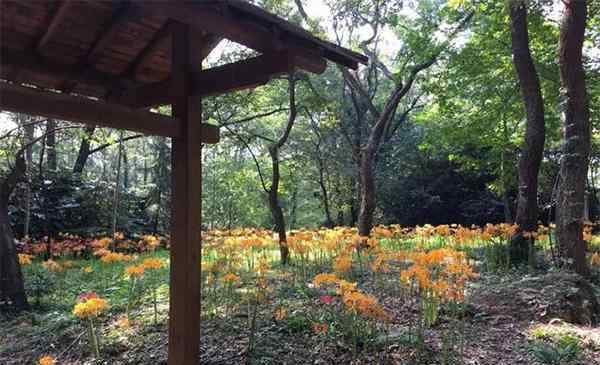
[(231, 77), (48, 33), (58, 19), (158, 41), (38, 64), (123, 14)]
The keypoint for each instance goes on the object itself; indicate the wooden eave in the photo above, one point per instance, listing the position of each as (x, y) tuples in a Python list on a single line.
[(105, 48)]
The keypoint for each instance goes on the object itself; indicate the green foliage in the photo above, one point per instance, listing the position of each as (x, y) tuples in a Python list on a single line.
[(497, 255), (40, 282), (566, 349), (298, 322)]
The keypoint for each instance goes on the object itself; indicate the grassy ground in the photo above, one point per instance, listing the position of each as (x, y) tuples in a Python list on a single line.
[(499, 322)]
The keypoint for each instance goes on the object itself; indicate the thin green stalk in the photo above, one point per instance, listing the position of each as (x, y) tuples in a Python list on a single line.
[(94, 339)]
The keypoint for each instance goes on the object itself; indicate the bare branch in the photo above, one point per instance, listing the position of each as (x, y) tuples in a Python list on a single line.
[(247, 145)]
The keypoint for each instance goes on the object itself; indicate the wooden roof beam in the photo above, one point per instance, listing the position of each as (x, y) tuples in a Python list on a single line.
[(20, 99), (235, 76), (218, 19)]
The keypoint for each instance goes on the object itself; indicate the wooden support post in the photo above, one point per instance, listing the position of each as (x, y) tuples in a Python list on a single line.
[(184, 309)]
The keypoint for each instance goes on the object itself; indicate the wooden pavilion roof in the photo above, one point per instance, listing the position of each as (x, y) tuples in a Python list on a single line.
[(119, 50)]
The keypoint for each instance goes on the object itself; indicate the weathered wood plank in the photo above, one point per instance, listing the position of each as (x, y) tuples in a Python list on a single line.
[(184, 305)]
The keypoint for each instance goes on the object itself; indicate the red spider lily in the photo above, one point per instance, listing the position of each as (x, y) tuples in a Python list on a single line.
[(327, 299), (86, 296)]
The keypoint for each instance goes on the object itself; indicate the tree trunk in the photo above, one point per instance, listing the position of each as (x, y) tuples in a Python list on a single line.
[(117, 190), (576, 143), (367, 193), (275, 207), (294, 210), (324, 194), (84, 150), (533, 144), (51, 146), (11, 277), (273, 191), (125, 167), (29, 131), (161, 174)]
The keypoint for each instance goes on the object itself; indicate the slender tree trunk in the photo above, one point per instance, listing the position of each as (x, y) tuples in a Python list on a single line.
[(324, 194), (117, 189), (161, 178), (273, 191), (294, 210), (353, 200), (11, 277), (125, 166), (51, 146), (51, 165), (576, 142), (533, 145), (29, 131), (84, 150), (321, 167), (145, 159), (275, 207)]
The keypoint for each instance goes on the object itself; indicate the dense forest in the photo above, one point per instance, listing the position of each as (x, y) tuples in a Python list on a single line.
[(474, 121)]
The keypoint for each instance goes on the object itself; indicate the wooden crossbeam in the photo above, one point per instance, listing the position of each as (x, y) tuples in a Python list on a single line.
[(20, 99), (219, 20), (235, 76)]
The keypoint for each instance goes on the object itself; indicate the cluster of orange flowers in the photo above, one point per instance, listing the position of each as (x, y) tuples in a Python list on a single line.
[(355, 301), (89, 305), (440, 273), (109, 257), (73, 245), (24, 259), (136, 271), (47, 360), (52, 266)]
